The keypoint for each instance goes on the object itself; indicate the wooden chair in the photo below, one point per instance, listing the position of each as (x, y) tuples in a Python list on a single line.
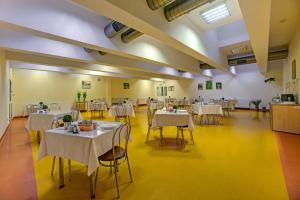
[(117, 153)]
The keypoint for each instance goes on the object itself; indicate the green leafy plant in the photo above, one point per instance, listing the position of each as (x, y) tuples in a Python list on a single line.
[(67, 118), (41, 103), (175, 107), (84, 95), (45, 107), (78, 96), (256, 103)]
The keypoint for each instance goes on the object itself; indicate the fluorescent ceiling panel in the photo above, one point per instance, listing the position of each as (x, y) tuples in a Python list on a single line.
[(215, 14)]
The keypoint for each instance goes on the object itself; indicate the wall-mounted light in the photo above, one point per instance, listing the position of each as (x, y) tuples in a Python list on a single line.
[(207, 72)]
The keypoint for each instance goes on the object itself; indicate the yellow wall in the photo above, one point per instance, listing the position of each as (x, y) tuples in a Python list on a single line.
[(4, 85), (293, 86), (138, 88), (31, 86)]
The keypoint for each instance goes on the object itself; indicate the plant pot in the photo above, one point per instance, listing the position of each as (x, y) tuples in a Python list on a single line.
[(66, 125)]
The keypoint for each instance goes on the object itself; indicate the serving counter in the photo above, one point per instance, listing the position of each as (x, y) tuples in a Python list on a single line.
[(285, 118)]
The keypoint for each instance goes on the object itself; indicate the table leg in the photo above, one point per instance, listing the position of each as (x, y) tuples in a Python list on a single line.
[(61, 172), (161, 135), (92, 185), (38, 136)]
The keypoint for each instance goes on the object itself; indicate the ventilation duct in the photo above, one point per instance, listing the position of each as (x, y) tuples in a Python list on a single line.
[(113, 28), (181, 7), (250, 58), (87, 50), (156, 4), (130, 35), (102, 53), (204, 66)]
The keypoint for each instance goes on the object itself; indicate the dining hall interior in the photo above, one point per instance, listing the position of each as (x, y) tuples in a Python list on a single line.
[(149, 99)]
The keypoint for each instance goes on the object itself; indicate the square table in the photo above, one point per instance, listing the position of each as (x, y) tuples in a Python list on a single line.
[(84, 147)]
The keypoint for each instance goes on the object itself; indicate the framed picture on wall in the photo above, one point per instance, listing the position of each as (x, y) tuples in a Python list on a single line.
[(171, 88), (219, 85), (209, 85), (126, 86), (200, 86), (86, 84), (294, 72)]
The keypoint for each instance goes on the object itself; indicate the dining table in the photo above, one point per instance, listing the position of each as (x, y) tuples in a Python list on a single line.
[(121, 110), (43, 120), (84, 147), (177, 118), (213, 110)]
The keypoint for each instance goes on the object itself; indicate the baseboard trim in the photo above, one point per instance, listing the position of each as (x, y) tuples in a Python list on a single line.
[(5, 133)]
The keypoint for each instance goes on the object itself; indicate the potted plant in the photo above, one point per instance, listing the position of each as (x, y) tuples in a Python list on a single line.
[(67, 119), (84, 95), (78, 96), (41, 104), (256, 103), (175, 107), (45, 107)]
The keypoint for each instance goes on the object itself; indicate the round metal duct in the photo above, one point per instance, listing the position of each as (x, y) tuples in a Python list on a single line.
[(130, 35), (181, 7), (113, 28), (156, 4)]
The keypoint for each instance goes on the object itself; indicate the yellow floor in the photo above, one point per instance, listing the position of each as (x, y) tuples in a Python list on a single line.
[(238, 160)]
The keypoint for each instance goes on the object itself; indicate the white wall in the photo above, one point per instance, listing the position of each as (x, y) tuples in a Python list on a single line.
[(32, 86), (4, 85), (248, 84), (292, 86)]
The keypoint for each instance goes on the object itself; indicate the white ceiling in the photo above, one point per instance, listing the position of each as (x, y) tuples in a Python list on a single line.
[(234, 9), (284, 21)]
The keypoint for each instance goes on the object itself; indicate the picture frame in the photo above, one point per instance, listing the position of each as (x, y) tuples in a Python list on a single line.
[(126, 86), (200, 86), (86, 84), (171, 88), (294, 69), (219, 85), (209, 85)]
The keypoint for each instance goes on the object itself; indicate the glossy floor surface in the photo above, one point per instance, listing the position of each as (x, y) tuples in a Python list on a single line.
[(236, 160)]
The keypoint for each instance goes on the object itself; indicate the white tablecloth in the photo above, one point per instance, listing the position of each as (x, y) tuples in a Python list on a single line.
[(84, 147), (43, 121), (180, 118), (98, 106), (124, 110), (156, 105), (213, 109)]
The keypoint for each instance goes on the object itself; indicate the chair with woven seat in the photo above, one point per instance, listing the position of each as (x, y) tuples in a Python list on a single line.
[(181, 129), (150, 114), (117, 153)]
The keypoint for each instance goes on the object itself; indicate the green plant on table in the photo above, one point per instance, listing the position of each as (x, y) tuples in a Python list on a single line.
[(45, 107), (84, 95), (67, 118), (78, 96)]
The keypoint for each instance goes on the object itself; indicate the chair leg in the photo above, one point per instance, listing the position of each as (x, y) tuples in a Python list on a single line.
[(148, 134), (177, 137), (116, 178), (110, 168), (129, 170), (192, 137), (53, 164)]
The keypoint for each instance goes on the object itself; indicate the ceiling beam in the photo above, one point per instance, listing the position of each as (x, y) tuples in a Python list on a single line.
[(257, 15)]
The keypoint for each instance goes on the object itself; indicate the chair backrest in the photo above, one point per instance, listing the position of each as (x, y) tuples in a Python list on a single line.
[(34, 108), (122, 133), (54, 107), (225, 104), (121, 110), (75, 115), (150, 114)]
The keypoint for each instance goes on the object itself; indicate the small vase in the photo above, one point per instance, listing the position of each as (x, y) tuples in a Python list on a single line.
[(66, 125)]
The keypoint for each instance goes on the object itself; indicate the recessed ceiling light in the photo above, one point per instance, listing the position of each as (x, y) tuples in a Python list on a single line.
[(216, 13)]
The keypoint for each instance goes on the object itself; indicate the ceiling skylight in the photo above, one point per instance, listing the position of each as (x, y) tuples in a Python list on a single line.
[(216, 13)]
